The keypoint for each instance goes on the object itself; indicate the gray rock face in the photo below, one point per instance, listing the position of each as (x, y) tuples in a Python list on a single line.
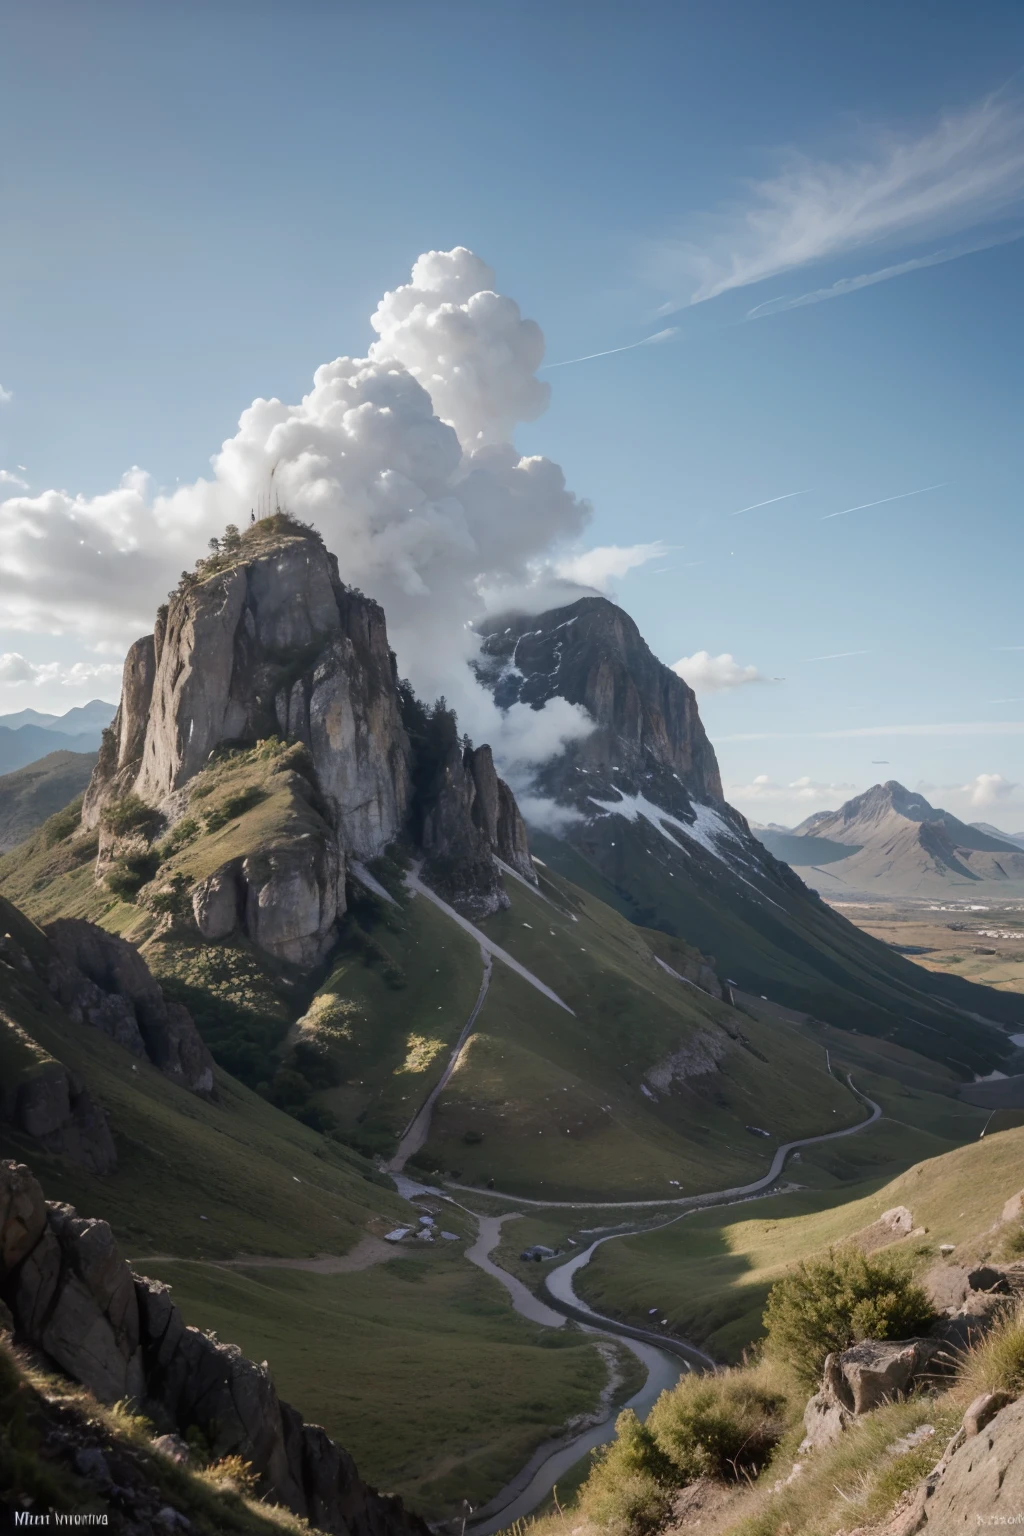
[(293, 894), (274, 645), (862, 1378), (460, 855), (100, 979), (978, 1482), (592, 654), (277, 645), (54, 1106), (71, 1296)]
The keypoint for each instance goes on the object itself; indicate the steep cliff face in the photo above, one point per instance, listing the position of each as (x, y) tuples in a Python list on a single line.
[(266, 641), (640, 818), (274, 644), (101, 980), (71, 1295), (471, 816), (591, 653)]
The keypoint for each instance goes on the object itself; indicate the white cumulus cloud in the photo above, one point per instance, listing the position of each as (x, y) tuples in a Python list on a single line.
[(714, 674), (6, 395), (597, 568), (15, 669), (403, 459), (988, 789)]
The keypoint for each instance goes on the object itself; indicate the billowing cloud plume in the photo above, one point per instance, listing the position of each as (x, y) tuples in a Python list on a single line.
[(714, 674), (404, 461), (597, 568)]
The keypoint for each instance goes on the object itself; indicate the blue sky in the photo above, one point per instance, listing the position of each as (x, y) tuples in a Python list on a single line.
[(202, 203)]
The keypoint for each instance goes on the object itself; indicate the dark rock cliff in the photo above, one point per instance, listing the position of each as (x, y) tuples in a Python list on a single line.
[(74, 1299), (591, 653)]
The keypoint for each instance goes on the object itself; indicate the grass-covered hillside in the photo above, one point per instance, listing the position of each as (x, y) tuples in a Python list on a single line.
[(28, 796), (710, 1272), (643, 1086), (727, 1451), (794, 947)]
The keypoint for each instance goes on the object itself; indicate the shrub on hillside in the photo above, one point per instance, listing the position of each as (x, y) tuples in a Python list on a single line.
[(130, 814), (63, 823), (630, 1487), (826, 1305), (723, 1426), (129, 873)]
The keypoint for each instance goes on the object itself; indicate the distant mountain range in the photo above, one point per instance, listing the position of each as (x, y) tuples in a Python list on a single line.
[(890, 841), (29, 795), (28, 735)]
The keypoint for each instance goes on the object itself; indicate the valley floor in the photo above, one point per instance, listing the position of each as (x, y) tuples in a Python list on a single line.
[(982, 941)]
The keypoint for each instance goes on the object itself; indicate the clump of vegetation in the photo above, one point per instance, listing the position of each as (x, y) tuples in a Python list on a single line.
[(824, 1306), (1013, 1243), (130, 814), (131, 870), (725, 1426), (63, 824), (181, 834), (173, 900), (372, 952), (997, 1363), (233, 805)]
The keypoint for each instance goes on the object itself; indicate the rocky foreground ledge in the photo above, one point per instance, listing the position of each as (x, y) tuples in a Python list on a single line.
[(66, 1293)]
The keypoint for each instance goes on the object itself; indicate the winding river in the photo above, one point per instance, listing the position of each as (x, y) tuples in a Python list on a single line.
[(665, 1359)]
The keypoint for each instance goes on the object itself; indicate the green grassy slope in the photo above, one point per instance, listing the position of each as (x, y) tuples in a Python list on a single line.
[(710, 1273), (28, 796), (418, 1367), (558, 1100), (795, 949)]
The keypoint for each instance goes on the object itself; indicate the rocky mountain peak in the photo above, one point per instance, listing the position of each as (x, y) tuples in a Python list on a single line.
[(264, 640), (647, 725)]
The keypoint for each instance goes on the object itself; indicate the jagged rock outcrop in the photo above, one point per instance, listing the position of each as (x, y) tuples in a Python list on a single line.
[(472, 816), (273, 644), (53, 1105), (862, 1378), (72, 1297), (102, 980), (266, 640), (979, 1480)]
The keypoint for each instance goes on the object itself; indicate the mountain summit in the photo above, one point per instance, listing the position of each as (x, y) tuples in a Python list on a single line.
[(635, 812), (263, 642), (901, 845)]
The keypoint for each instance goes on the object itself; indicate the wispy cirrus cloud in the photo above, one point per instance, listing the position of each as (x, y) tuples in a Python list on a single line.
[(964, 172), (847, 285)]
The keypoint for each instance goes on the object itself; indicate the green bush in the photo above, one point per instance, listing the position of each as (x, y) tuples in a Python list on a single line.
[(183, 832), (722, 1426), (130, 814), (128, 874), (826, 1305), (234, 805), (629, 1490), (63, 823), (1013, 1242)]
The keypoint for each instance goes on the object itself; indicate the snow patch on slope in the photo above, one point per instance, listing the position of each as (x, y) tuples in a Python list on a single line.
[(708, 829)]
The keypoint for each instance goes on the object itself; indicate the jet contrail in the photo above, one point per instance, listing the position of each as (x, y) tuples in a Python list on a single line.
[(771, 500), (646, 342), (837, 655), (901, 497)]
